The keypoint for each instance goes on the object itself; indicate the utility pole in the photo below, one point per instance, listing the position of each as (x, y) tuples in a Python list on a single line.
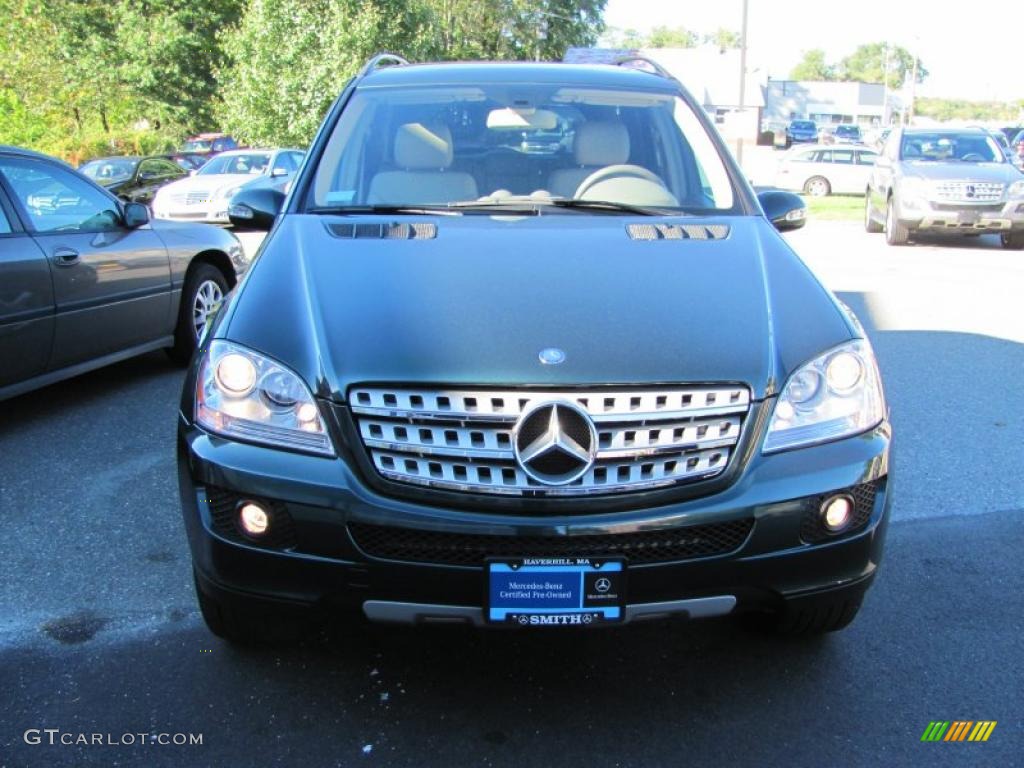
[(913, 82), (743, 82), (885, 87)]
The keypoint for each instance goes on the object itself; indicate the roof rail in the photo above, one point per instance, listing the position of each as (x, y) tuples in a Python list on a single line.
[(393, 59), (652, 67)]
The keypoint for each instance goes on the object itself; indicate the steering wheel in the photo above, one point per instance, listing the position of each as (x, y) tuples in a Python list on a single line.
[(973, 157), (616, 171)]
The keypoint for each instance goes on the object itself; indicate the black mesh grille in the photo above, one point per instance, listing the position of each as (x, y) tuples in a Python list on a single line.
[(812, 530), (472, 549), (223, 506)]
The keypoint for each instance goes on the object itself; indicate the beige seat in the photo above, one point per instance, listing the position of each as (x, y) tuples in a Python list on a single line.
[(596, 145), (423, 153)]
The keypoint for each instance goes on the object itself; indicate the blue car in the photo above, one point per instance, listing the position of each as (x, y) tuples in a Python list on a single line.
[(802, 131)]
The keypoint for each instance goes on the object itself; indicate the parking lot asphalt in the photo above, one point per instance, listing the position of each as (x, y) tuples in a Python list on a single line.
[(99, 632)]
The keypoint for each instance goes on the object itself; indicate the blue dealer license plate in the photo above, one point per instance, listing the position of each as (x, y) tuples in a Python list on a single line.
[(575, 591)]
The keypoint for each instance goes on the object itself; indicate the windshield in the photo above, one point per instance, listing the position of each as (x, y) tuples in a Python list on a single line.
[(445, 145), (253, 163), (198, 145), (944, 147), (847, 130), (110, 169), (802, 125)]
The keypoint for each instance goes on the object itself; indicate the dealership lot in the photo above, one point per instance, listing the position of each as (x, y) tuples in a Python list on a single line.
[(99, 631)]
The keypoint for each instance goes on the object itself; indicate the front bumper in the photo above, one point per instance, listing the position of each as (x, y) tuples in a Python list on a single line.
[(321, 566), (942, 216), (215, 212)]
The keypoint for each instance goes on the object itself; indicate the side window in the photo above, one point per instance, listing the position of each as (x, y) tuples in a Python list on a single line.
[(5, 225), (297, 158), (56, 200), (823, 156), (866, 158), (157, 168), (843, 156)]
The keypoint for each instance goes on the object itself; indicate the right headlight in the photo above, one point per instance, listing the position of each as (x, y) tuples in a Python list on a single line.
[(242, 394), (836, 395)]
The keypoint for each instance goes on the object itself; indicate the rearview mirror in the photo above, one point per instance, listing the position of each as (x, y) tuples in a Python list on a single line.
[(785, 210), (135, 215), (255, 209)]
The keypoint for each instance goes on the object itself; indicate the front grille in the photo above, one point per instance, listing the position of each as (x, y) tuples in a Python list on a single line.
[(811, 529), (223, 506), (438, 548), (190, 198), (969, 191), (466, 440)]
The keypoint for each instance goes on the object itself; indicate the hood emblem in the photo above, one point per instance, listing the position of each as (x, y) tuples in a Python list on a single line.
[(552, 356), (555, 442)]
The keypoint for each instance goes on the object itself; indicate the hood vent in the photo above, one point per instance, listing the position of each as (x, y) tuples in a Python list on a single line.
[(677, 231), (386, 231)]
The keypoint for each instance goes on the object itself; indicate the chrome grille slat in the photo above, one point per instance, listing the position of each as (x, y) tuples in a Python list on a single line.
[(464, 439), (981, 191)]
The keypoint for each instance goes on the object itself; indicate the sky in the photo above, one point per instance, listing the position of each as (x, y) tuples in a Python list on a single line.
[(969, 55)]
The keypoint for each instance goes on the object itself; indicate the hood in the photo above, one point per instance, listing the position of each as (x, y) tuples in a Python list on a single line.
[(210, 183), (936, 171), (478, 303)]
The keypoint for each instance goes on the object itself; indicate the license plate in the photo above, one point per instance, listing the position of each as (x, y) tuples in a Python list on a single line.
[(556, 592), (969, 217)]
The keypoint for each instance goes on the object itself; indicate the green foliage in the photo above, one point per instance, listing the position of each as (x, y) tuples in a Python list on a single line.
[(960, 109), (869, 63), (724, 38), (677, 37), (813, 67)]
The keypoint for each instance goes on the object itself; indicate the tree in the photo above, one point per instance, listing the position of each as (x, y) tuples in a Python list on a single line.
[(724, 38), (813, 67), (665, 37), (868, 63)]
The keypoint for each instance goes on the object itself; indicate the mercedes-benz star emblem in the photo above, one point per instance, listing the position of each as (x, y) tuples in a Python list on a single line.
[(603, 585), (555, 442), (552, 356)]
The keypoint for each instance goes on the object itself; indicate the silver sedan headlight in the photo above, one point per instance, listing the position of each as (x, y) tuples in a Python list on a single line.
[(833, 396), (242, 394)]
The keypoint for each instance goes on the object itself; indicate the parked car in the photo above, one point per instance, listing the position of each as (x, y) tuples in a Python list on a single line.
[(847, 133), (819, 172), (87, 279), (437, 398), (134, 179), (190, 161), (209, 143), (801, 131), (944, 180), (206, 195)]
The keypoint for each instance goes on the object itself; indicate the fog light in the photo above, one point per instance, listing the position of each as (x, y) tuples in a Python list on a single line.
[(837, 512), (253, 519)]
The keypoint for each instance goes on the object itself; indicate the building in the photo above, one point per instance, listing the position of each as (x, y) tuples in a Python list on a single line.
[(866, 104)]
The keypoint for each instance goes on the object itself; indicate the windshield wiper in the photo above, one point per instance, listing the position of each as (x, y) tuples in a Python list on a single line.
[(416, 210), (576, 204)]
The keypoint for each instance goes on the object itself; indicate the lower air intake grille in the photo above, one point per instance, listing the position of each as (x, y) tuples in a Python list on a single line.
[(438, 548)]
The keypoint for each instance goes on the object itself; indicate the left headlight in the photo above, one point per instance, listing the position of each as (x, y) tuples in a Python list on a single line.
[(836, 395), (230, 192), (242, 394), (1017, 189)]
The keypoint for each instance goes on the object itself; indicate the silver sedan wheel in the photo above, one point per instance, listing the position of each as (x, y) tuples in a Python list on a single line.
[(208, 298), (817, 187)]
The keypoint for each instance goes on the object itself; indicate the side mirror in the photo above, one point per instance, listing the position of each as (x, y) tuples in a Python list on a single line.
[(135, 215), (785, 210), (255, 209), (279, 172)]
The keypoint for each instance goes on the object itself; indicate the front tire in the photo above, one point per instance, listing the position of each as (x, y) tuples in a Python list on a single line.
[(870, 225), (246, 625), (1013, 241), (818, 186), (204, 291), (895, 233)]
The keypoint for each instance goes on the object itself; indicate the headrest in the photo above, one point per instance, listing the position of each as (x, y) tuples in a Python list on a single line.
[(419, 147), (601, 143)]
